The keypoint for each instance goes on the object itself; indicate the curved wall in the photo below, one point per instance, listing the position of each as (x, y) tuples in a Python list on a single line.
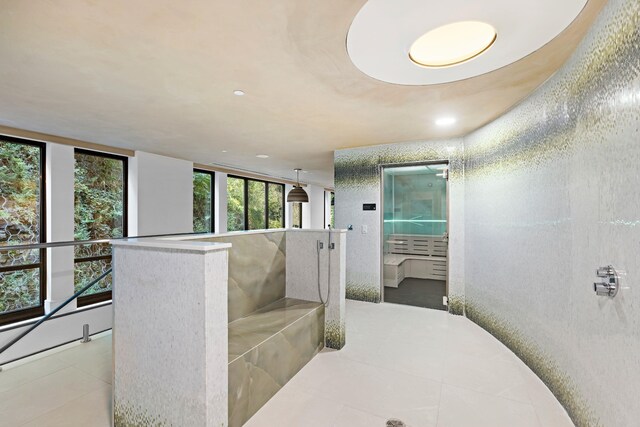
[(552, 191)]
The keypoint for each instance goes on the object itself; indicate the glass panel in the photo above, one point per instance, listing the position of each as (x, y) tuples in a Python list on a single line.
[(332, 218), (99, 192), (256, 205), (19, 290), (20, 223), (297, 215), (202, 196), (276, 207), (90, 270), (235, 204), (415, 200)]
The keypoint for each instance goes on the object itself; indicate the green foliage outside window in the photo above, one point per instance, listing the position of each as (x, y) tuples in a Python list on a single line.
[(202, 198), (276, 207), (99, 192), (332, 217), (264, 207), (235, 204), (256, 205), (20, 198), (297, 215)]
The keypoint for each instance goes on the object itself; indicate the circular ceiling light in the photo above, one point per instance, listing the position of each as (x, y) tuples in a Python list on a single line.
[(238, 92), (452, 44), (262, 156), (445, 121)]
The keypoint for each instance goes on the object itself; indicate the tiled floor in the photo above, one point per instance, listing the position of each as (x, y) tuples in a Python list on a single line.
[(418, 292), (425, 367)]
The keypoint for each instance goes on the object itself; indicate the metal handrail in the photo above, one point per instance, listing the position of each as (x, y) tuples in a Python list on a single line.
[(83, 242), (84, 288), (54, 311)]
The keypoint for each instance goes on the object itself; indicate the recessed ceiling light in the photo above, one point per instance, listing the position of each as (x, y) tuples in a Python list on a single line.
[(224, 151), (238, 92), (452, 44), (445, 121), (262, 156)]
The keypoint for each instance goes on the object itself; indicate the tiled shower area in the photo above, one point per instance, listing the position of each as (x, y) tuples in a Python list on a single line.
[(540, 199), (248, 316)]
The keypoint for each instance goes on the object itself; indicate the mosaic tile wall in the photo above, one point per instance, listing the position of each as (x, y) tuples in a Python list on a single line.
[(302, 277), (552, 188), (170, 360), (357, 181)]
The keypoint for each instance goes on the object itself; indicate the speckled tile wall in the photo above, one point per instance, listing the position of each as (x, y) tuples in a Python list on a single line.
[(550, 193), (357, 181), (302, 277), (170, 362), (552, 188)]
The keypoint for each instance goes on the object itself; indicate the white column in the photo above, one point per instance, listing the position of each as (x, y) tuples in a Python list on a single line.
[(288, 212), (60, 224), (220, 205), (170, 339), (316, 206)]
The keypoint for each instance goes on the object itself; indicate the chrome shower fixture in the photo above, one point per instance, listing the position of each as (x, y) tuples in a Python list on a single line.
[(608, 287)]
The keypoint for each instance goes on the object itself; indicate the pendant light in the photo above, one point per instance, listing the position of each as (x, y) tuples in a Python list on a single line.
[(297, 195)]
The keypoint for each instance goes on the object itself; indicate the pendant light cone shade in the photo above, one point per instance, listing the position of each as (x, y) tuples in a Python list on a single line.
[(297, 195)]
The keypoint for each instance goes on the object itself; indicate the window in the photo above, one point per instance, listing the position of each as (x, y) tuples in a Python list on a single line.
[(235, 204), (297, 215), (22, 272), (100, 193), (329, 209), (257, 206), (276, 205), (253, 204), (203, 197), (332, 217)]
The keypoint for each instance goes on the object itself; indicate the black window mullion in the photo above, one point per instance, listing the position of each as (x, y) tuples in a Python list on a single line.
[(246, 204), (266, 205)]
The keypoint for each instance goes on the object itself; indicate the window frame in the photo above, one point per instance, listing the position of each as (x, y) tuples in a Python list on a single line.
[(299, 216), (85, 300), (213, 197), (266, 201), (32, 312)]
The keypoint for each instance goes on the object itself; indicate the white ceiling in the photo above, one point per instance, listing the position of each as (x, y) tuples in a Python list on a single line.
[(384, 30), (159, 76)]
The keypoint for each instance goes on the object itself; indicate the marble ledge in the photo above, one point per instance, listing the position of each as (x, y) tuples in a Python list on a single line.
[(176, 243)]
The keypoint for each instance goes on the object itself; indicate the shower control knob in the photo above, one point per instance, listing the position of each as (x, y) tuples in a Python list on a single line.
[(611, 283)]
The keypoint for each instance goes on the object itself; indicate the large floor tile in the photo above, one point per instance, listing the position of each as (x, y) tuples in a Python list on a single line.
[(47, 393), (14, 377), (488, 375), (422, 366), (374, 390), (460, 407), (90, 410)]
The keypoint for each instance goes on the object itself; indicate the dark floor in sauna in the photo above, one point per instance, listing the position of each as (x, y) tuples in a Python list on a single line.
[(418, 292)]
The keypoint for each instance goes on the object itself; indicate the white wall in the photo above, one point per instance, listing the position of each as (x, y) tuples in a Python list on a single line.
[(160, 195), (315, 208), (220, 202), (60, 213)]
